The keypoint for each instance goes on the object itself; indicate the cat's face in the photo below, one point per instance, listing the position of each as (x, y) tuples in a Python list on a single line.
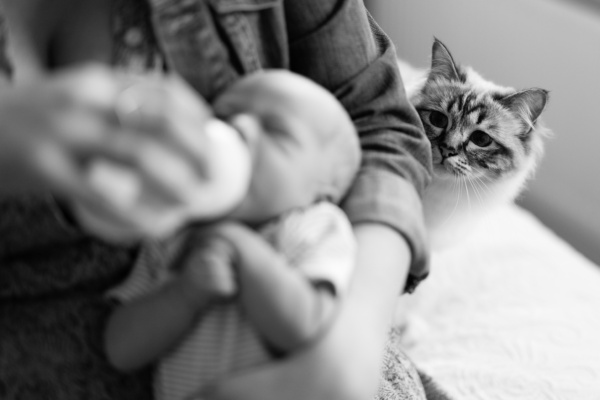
[(477, 130)]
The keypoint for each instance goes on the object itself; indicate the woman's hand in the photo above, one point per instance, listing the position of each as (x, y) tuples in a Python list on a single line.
[(49, 127), (345, 363), (181, 164), (136, 156)]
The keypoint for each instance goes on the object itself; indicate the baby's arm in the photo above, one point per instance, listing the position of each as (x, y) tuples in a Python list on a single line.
[(143, 329), (282, 304), (290, 289)]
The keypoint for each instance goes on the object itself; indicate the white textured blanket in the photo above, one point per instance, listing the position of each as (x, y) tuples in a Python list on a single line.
[(513, 314)]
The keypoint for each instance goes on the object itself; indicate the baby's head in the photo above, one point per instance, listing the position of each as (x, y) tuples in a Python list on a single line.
[(304, 144)]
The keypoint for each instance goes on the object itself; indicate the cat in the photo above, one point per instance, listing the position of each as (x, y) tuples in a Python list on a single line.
[(486, 141)]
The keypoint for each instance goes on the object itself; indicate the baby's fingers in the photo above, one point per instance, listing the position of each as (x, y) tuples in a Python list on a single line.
[(210, 265)]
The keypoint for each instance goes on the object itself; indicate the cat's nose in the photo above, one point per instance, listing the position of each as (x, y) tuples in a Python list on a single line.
[(448, 151)]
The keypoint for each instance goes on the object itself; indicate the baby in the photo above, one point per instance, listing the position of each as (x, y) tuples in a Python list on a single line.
[(265, 281)]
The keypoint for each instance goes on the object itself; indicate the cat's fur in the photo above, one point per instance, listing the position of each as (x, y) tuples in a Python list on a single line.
[(472, 172)]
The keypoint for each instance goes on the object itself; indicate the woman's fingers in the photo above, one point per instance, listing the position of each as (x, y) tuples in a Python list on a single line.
[(76, 133), (135, 146), (161, 168), (60, 172), (169, 111), (92, 86), (211, 167)]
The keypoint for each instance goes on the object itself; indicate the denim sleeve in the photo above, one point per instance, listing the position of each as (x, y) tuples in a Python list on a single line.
[(5, 65), (337, 44)]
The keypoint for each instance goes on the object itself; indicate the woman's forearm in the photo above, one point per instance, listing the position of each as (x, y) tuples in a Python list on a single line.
[(381, 270), (354, 347)]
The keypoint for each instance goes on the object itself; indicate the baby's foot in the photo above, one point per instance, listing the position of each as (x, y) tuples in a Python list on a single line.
[(207, 270)]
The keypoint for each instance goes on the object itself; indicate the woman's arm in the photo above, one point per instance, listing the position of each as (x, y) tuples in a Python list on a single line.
[(335, 43)]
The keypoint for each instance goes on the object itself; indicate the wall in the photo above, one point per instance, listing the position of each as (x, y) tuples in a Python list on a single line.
[(551, 44)]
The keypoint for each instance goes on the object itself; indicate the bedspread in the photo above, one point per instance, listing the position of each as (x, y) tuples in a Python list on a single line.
[(513, 313)]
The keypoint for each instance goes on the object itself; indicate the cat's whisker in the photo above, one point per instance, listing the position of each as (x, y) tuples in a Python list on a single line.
[(483, 185), (468, 196), (476, 191), (480, 190), (455, 186)]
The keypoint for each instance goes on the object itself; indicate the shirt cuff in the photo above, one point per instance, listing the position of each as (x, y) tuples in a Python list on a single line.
[(382, 197)]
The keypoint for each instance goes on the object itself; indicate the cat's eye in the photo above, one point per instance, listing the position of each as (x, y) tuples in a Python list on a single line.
[(481, 139), (438, 119)]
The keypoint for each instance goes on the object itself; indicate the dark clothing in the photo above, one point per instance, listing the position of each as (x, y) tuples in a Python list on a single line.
[(53, 276)]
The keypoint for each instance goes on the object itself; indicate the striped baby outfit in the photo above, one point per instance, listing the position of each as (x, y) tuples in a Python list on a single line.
[(317, 241)]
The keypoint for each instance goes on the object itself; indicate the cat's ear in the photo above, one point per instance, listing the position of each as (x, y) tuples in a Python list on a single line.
[(527, 104), (442, 63)]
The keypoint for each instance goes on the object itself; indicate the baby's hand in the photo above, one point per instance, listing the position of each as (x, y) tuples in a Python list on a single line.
[(207, 272)]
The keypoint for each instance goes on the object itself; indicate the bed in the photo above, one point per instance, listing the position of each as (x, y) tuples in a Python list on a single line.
[(513, 313)]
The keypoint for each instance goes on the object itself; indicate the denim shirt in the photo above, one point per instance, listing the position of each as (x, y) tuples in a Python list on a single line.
[(335, 43), (339, 46)]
